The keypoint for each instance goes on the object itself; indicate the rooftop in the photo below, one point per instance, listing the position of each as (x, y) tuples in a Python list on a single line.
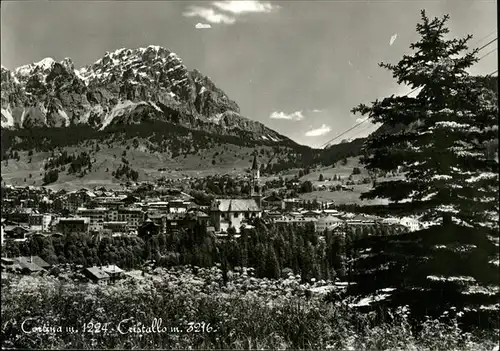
[(236, 205)]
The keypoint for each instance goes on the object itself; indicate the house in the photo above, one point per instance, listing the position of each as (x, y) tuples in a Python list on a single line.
[(20, 216), (159, 206), (133, 217), (30, 268), (225, 213), (109, 202), (97, 217), (200, 217), (73, 200), (25, 265), (390, 221), (327, 223), (116, 226), (311, 214), (37, 260), (272, 201), (129, 200), (272, 215), (290, 204), (39, 221), (178, 206), (361, 220), (73, 225), (97, 275), (113, 271), (10, 265), (331, 212), (412, 224), (15, 232), (176, 221)]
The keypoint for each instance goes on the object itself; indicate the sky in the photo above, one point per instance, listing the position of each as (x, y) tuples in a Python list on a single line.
[(299, 67)]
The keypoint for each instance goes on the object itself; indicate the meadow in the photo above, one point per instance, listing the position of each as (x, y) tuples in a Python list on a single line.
[(199, 311)]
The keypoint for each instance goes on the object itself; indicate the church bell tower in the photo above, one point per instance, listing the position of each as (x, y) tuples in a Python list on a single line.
[(255, 191)]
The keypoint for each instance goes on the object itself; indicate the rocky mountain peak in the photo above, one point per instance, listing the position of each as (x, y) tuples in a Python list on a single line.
[(125, 86)]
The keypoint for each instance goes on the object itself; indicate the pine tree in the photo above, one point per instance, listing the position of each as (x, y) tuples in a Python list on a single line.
[(273, 270), (439, 137), (442, 131)]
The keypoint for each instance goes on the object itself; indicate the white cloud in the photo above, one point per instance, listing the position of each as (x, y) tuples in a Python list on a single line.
[(202, 26), (208, 15), (237, 7), (350, 63), (296, 116), (319, 131), (361, 119), (317, 110), (393, 39), (226, 12)]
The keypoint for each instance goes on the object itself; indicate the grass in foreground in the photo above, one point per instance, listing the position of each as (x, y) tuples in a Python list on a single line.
[(247, 313)]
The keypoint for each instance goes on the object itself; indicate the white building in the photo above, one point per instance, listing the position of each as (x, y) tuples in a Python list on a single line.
[(227, 213), (97, 217), (391, 221), (412, 224), (40, 222), (178, 206), (328, 222)]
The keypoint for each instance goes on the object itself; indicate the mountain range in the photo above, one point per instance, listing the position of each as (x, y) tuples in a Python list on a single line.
[(124, 87)]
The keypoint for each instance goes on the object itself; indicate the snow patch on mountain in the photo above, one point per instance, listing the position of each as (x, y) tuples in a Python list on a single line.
[(28, 69), (65, 116), (216, 118), (155, 106), (487, 175), (119, 110), (80, 76), (7, 119)]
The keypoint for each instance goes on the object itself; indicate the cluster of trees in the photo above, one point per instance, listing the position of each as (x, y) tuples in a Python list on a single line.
[(306, 187), (77, 163), (271, 249), (201, 198), (14, 155), (50, 176), (124, 170), (57, 161), (303, 172)]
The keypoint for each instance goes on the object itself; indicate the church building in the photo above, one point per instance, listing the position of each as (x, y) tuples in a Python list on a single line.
[(226, 213)]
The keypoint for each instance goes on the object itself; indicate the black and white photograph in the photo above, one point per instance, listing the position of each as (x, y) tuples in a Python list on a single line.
[(249, 175)]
